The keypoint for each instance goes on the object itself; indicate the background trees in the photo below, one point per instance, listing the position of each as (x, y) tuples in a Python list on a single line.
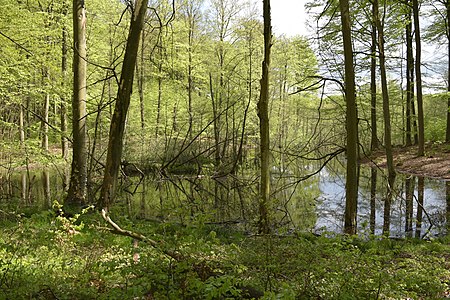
[(197, 90)]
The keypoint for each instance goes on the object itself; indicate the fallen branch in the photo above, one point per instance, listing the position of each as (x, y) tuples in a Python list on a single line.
[(119, 231)]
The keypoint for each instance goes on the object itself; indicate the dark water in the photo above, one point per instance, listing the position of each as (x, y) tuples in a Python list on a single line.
[(315, 204)]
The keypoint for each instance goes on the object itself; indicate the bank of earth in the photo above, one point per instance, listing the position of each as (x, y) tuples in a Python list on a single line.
[(434, 164)]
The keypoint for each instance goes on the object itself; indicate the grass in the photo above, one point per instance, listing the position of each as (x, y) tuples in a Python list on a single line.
[(46, 257)]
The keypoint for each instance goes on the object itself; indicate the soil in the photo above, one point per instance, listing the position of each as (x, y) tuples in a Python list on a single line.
[(434, 164)]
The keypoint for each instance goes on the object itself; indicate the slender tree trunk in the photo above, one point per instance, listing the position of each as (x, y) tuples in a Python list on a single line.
[(351, 184), (373, 84), (45, 121), (447, 133), (78, 178), (140, 71), (63, 106), (387, 120), (409, 73), (240, 154), (263, 114), (384, 87), (421, 150), (190, 68), (21, 125), (160, 80), (215, 126), (117, 128)]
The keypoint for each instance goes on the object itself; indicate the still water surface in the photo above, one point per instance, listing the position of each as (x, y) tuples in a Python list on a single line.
[(315, 205)]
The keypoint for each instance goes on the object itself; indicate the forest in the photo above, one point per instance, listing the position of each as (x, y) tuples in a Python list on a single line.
[(187, 149)]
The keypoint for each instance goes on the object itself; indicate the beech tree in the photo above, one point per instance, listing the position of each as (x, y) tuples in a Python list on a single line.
[(419, 93), (386, 116), (351, 184), (78, 178)]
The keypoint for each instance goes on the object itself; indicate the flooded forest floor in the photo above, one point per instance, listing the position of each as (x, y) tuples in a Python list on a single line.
[(434, 164)]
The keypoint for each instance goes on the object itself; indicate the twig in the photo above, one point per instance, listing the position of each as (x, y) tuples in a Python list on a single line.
[(117, 230)]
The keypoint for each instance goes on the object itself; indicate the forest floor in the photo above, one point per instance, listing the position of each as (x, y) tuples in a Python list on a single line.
[(52, 257), (434, 164)]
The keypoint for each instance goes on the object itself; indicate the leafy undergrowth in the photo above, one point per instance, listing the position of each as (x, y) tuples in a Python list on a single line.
[(48, 257)]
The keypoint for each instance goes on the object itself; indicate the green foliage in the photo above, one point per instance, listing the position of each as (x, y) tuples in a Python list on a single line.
[(41, 258)]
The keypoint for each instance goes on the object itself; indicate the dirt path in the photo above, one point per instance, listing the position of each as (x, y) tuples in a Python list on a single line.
[(435, 163)]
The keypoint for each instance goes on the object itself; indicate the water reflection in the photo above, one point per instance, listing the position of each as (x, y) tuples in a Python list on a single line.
[(419, 207)]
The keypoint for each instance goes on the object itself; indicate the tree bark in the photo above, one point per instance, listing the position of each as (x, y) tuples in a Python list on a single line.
[(421, 149), (45, 120), (160, 81), (409, 74), (385, 93), (117, 127), (21, 125), (373, 85), (140, 71), (263, 114), (387, 119), (78, 178), (447, 133), (63, 106), (351, 184)]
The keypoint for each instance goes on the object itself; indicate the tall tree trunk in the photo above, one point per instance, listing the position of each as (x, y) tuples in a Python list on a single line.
[(385, 93), (190, 67), (117, 128), (447, 133), (373, 84), (387, 119), (45, 120), (140, 71), (63, 106), (216, 129), (351, 184), (263, 114), (421, 149), (409, 74), (78, 178), (21, 125), (160, 78)]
